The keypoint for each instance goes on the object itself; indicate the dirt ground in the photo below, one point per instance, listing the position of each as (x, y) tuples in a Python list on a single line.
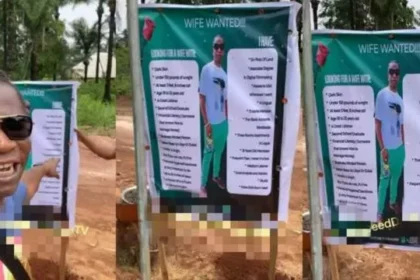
[(355, 262), (90, 255), (189, 263), (93, 255)]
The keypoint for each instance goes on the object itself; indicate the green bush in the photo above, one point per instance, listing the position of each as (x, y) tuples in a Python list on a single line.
[(122, 55), (122, 84), (94, 90), (91, 112)]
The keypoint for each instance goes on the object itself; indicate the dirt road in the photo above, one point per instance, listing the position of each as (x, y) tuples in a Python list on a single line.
[(91, 253)]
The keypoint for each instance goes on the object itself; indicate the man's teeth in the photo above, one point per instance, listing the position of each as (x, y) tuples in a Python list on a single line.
[(6, 169)]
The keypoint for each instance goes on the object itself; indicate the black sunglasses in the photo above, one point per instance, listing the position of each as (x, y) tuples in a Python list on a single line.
[(219, 47), (394, 72), (16, 127)]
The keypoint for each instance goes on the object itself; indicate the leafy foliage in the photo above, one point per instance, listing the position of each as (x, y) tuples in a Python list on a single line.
[(368, 14), (34, 43), (85, 38)]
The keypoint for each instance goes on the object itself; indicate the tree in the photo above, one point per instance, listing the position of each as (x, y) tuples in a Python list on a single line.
[(315, 6), (37, 15), (390, 14), (112, 4), (59, 4), (368, 14), (121, 41), (100, 12), (85, 37), (299, 26), (32, 42), (5, 35)]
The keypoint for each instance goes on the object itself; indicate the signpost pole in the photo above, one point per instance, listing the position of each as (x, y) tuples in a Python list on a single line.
[(138, 121), (310, 129)]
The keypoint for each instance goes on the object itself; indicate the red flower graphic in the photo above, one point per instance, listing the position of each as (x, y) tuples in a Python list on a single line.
[(148, 28), (321, 54)]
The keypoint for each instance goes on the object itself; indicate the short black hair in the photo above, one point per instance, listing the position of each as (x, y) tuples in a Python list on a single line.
[(4, 79)]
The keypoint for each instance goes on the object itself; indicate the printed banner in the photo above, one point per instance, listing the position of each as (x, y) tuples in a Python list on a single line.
[(53, 111), (220, 82), (366, 87)]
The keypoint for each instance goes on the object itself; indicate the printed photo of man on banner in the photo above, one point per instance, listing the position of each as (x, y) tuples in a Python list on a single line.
[(215, 91), (389, 126), (368, 136), (213, 107)]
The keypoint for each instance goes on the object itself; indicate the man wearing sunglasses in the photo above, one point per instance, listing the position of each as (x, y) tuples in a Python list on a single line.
[(213, 107), (389, 124), (15, 130), (16, 186)]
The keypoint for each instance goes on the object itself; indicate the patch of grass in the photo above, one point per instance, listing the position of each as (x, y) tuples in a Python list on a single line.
[(92, 113), (122, 84), (95, 90)]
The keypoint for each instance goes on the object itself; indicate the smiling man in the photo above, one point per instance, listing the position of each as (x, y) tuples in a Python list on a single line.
[(16, 186), (389, 124)]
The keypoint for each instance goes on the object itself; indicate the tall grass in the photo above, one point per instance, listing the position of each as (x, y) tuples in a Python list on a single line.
[(122, 84), (91, 112)]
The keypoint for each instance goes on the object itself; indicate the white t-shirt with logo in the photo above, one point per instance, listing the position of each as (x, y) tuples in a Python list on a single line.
[(213, 84), (389, 110)]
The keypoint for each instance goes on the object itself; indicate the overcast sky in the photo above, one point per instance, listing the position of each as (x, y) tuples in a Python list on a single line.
[(70, 12)]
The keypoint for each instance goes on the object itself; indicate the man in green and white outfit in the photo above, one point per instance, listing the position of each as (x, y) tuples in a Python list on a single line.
[(389, 123), (213, 107)]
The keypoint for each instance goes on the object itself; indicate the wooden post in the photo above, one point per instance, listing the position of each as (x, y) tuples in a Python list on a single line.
[(162, 259), (332, 261), (157, 238), (65, 240), (273, 253)]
